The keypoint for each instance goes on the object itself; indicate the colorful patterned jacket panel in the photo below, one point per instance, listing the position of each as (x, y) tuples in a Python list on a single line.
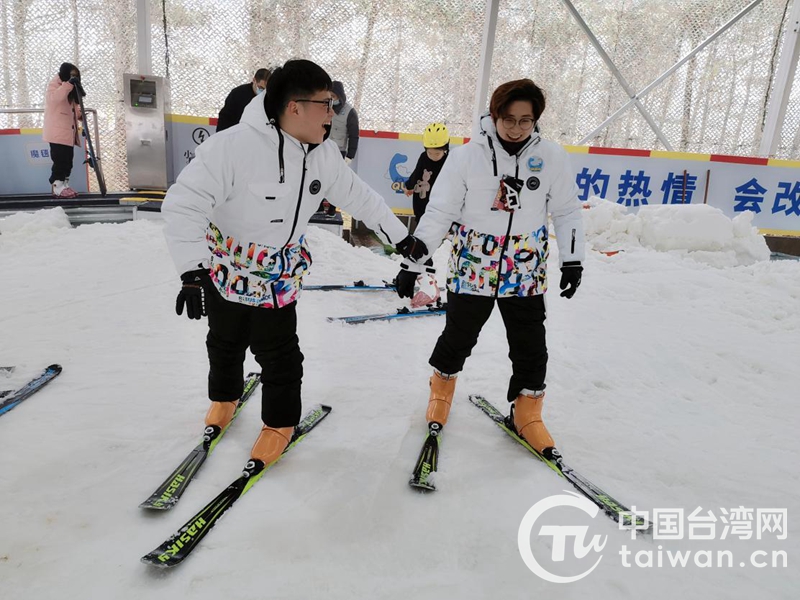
[(475, 265), (255, 274)]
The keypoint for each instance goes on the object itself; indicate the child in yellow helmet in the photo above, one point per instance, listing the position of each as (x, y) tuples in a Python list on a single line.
[(436, 140)]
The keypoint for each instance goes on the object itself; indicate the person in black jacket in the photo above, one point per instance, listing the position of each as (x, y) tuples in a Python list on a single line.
[(436, 140), (239, 97)]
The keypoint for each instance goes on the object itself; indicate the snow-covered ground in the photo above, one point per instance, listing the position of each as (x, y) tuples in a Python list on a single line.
[(673, 383)]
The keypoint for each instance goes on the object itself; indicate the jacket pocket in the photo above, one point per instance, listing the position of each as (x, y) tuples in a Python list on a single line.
[(264, 208)]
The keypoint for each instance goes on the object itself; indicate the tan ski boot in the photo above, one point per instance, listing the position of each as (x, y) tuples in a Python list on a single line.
[(271, 443), (221, 413), (527, 416), (442, 389)]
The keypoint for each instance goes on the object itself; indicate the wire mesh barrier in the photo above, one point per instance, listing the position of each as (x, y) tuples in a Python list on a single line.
[(407, 63)]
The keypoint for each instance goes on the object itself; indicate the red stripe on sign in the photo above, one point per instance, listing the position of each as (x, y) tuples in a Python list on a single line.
[(619, 151), (213, 121), (388, 135), (10, 131), (741, 160)]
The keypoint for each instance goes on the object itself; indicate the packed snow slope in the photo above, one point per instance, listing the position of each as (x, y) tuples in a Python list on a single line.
[(672, 383)]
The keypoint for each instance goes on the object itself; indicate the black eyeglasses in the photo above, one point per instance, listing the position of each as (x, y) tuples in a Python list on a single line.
[(524, 123), (328, 102)]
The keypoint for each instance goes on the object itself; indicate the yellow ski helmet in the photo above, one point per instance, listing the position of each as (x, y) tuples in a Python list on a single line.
[(435, 136)]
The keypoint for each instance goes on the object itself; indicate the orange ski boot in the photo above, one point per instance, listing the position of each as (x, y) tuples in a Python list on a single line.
[(443, 387), (271, 443), (221, 413), (526, 414)]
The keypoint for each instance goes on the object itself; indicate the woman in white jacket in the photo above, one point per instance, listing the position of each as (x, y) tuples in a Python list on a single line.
[(236, 221), (493, 196)]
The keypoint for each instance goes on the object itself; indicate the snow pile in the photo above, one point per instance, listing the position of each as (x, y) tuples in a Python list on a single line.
[(25, 224), (700, 232)]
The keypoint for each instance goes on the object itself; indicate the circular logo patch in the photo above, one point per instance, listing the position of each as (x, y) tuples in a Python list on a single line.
[(532, 183), (535, 164), (315, 187)]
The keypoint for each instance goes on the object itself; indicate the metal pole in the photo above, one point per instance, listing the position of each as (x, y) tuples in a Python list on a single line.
[(144, 58), (485, 70), (683, 192), (670, 71), (613, 68), (784, 78), (96, 133)]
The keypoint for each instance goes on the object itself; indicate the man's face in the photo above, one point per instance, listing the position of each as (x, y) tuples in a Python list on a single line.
[(305, 118), (518, 121), (259, 85)]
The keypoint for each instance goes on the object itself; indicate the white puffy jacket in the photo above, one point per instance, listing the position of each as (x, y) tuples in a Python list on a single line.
[(243, 204), (503, 253)]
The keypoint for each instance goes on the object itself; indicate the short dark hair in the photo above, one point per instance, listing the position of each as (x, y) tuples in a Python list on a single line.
[(262, 74), (295, 79), (512, 91)]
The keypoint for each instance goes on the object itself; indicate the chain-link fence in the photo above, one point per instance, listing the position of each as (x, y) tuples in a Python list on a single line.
[(407, 63), (715, 103), (99, 36)]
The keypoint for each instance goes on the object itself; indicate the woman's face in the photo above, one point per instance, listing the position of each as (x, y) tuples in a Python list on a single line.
[(517, 122)]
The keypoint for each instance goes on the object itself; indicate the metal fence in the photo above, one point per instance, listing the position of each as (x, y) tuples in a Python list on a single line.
[(407, 63)]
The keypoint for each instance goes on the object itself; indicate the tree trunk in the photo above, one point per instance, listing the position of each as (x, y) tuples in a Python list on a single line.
[(362, 67), (73, 4), (6, 55), (20, 16)]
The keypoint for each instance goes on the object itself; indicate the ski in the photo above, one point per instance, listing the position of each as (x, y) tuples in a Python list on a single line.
[(611, 507), (401, 313), (13, 399), (168, 493), (428, 460), (357, 286), (180, 544), (93, 159)]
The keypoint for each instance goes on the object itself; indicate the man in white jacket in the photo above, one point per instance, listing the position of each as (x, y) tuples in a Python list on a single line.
[(236, 219), (494, 196)]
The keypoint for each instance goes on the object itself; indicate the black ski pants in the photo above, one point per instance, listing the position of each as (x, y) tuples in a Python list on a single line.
[(271, 335), (525, 332), (61, 156)]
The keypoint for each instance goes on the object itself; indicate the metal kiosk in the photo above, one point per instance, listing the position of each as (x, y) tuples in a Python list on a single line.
[(147, 142)]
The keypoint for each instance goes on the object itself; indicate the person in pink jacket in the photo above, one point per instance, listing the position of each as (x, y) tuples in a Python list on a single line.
[(62, 113)]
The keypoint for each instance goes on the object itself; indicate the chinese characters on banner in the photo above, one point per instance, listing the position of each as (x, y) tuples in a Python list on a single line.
[(771, 192)]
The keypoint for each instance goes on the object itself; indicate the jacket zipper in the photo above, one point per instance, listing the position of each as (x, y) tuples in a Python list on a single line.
[(285, 256), (505, 241), (299, 200)]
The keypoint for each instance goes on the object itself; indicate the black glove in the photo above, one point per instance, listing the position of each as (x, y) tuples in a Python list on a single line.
[(411, 247), (404, 283), (192, 294), (570, 278)]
